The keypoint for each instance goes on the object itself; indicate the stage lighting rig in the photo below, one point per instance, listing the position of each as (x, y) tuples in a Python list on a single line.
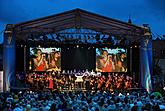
[(58, 37), (53, 38)]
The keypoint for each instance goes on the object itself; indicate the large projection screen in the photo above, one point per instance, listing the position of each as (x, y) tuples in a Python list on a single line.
[(111, 60), (45, 59)]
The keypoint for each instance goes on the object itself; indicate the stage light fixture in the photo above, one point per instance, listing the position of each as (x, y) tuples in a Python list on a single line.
[(89, 37), (39, 46), (77, 46)]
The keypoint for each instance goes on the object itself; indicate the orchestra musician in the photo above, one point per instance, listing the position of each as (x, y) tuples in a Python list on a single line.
[(87, 82), (109, 80), (101, 82), (50, 82), (79, 79), (70, 82)]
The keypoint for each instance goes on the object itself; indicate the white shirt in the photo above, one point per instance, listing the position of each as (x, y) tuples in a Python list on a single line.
[(79, 78)]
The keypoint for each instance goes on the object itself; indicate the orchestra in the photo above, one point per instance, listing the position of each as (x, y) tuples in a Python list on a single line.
[(80, 80)]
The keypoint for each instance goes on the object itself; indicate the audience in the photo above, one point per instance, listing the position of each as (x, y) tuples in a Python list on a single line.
[(80, 101)]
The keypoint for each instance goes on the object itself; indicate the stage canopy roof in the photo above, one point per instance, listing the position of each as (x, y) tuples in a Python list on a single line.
[(78, 19)]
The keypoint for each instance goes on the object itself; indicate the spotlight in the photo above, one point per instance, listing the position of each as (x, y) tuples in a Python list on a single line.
[(135, 46), (77, 46), (39, 46)]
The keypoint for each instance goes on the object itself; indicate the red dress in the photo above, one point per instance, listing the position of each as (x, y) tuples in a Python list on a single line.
[(41, 67), (50, 83), (108, 67)]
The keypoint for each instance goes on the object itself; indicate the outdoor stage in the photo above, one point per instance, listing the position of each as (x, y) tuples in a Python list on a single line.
[(74, 42)]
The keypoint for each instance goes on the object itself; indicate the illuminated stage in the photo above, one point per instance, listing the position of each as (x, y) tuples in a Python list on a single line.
[(76, 41)]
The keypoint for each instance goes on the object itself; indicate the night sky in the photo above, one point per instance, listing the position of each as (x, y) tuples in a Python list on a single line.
[(150, 12)]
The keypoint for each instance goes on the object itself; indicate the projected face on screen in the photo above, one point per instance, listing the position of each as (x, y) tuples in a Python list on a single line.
[(45, 59), (111, 60)]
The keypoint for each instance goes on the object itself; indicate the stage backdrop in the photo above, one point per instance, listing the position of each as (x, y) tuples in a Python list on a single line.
[(78, 58)]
